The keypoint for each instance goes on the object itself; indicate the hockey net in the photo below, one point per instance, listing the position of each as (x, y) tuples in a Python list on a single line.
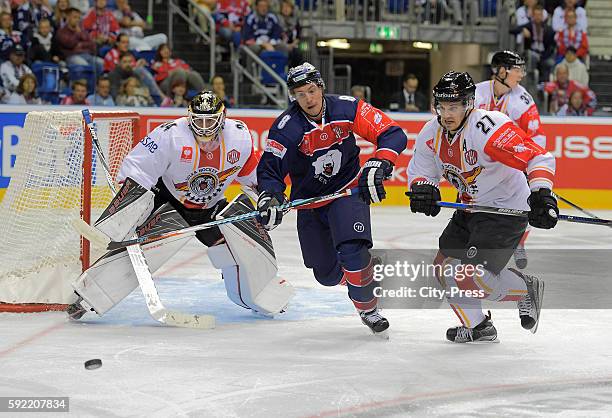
[(56, 179)]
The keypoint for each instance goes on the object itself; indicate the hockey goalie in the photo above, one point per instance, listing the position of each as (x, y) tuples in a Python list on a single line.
[(176, 177)]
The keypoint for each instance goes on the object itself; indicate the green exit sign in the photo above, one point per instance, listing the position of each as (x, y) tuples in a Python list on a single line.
[(388, 31)]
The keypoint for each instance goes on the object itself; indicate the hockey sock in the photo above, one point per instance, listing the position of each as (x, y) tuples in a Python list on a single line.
[(359, 274)]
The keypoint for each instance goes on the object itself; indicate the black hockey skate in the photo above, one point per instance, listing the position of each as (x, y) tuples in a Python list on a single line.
[(76, 311), (520, 257), (483, 332), (530, 306), (376, 322)]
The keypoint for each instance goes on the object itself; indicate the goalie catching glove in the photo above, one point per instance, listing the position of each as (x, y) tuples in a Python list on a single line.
[(423, 198), (544, 211), (270, 215), (375, 171)]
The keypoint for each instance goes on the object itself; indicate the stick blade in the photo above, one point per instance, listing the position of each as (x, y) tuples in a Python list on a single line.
[(90, 233)]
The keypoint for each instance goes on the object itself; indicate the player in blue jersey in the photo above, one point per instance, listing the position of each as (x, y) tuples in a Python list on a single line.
[(313, 142)]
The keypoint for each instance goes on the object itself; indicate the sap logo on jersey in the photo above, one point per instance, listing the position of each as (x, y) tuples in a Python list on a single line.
[(327, 165), (275, 148), (580, 147), (149, 143)]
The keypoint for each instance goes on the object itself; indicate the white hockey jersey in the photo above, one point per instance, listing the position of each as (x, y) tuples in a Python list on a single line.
[(517, 104), (484, 161), (196, 178)]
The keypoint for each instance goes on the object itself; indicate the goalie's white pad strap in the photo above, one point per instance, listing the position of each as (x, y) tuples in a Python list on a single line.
[(110, 279), (221, 257), (128, 209)]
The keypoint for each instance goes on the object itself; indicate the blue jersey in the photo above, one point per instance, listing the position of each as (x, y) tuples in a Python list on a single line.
[(324, 158)]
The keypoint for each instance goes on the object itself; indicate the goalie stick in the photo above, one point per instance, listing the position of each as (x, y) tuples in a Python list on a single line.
[(95, 235), (141, 268)]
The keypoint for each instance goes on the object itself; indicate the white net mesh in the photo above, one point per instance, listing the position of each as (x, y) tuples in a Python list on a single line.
[(40, 251)]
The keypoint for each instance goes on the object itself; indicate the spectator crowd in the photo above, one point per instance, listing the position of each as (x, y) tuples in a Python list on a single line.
[(554, 38), (96, 52), (76, 52)]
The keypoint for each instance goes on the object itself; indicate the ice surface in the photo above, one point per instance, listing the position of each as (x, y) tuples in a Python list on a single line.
[(317, 359)]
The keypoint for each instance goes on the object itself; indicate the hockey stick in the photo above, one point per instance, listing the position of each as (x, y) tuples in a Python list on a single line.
[(575, 206), (145, 239), (520, 213), (139, 262)]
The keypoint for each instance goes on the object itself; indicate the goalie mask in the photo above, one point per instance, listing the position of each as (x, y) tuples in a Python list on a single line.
[(206, 116)]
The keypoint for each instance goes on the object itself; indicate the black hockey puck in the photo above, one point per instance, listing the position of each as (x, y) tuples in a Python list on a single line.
[(93, 364)]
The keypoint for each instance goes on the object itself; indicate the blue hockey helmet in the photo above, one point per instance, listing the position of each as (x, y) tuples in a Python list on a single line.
[(304, 74)]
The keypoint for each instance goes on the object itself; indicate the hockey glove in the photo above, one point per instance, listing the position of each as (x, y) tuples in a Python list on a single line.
[(544, 210), (270, 215), (374, 172), (423, 197)]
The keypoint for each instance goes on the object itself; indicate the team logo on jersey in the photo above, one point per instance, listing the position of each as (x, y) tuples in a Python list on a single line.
[(327, 165), (276, 148), (430, 144), (321, 139), (358, 227), (233, 156), (186, 154), (471, 156), (463, 181), (338, 132), (472, 251), (533, 126), (205, 184), (519, 148)]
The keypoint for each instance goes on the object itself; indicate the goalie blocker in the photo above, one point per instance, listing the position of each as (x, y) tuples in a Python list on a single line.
[(246, 258)]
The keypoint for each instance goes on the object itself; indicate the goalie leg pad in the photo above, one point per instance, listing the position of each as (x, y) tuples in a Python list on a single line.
[(251, 278), (129, 208), (111, 279), (221, 257)]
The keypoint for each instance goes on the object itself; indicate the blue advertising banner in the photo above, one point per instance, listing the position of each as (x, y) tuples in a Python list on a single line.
[(11, 127)]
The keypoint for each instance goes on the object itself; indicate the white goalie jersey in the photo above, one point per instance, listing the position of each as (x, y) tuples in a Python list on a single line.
[(196, 178), (484, 160), (517, 104)]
